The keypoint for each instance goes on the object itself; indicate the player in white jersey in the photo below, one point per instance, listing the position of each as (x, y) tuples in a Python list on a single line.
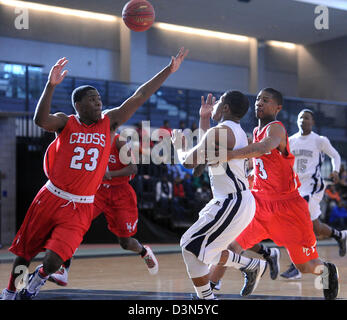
[(309, 148), (232, 207)]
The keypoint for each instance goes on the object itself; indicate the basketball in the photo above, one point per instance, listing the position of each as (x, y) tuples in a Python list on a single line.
[(138, 15)]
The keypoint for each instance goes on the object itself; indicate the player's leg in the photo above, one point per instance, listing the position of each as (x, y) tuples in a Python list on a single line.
[(323, 230), (199, 274), (308, 261), (122, 218), (17, 276), (131, 244), (271, 255)]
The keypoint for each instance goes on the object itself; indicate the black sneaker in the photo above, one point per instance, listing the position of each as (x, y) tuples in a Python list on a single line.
[(330, 280), (292, 273), (252, 274), (274, 262), (342, 243)]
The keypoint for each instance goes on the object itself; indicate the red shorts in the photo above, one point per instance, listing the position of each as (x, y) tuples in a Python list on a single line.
[(119, 204), (52, 224), (287, 222)]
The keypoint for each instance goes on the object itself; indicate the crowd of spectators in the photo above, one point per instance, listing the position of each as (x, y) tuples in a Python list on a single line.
[(336, 202), (168, 192)]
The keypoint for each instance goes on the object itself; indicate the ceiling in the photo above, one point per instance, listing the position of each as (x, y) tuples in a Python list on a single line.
[(282, 20)]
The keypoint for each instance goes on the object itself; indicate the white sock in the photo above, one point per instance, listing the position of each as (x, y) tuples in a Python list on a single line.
[(234, 260), (36, 282), (205, 292)]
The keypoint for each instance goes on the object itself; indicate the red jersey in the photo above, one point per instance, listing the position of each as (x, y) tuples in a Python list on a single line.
[(76, 160), (115, 164), (274, 176)]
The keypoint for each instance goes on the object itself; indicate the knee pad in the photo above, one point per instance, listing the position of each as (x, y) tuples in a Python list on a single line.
[(195, 267)]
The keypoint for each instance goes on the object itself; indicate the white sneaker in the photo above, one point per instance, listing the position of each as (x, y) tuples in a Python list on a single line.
[(35, 283), (151, 261), (8, 295), (60, 277)]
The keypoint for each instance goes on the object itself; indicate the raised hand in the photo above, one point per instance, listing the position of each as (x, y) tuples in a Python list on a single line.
[(207, 106), (56, 76), (176, 61)]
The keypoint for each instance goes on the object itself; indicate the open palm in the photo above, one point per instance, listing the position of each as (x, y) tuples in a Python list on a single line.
[(176, 61), (207, 106), (56, 75)]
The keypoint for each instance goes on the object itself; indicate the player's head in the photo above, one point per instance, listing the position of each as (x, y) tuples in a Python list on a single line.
[(268, 103), (305, 120), (87, 102), (232, 104)]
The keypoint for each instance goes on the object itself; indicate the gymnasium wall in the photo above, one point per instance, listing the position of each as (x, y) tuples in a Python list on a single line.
[(323, 70)]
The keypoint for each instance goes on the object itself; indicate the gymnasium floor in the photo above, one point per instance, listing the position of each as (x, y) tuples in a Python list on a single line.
[(106, 272)]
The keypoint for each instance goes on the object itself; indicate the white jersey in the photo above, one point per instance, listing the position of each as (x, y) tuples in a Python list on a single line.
[(230, 177), (309, 153)]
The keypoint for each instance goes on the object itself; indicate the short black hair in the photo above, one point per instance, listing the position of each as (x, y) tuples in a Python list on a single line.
[(78, 93), (276, 95), (238, 103), (307, 110)]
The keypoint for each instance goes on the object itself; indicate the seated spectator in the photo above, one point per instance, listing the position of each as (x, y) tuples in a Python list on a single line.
[(179, 211), (342, 184), (188, 187), (165, 130), (338, 216), (332, 194), (332, 198), (163, 196), (203, 195)]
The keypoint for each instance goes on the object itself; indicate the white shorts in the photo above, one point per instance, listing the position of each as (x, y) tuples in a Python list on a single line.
[(313, 203), (219, 223)]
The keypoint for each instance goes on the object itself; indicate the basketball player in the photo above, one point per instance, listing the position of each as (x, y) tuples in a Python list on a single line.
[(308, 149), (117, 200), (282, 214), (232, 207), (75, 163)]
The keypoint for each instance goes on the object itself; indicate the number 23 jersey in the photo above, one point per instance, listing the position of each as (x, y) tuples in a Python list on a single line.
[(77, 159), (274, 176)]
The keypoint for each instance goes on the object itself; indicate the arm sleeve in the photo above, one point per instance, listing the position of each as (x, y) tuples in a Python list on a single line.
[(328, 149)]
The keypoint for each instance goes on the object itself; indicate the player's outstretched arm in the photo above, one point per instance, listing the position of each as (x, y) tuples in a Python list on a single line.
[(43, 118), (276, 136), (123, 113)]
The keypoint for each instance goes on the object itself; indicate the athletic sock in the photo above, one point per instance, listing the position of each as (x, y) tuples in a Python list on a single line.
[(234, 260), (205, 292)]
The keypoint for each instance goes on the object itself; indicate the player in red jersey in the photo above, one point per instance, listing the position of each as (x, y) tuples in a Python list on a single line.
[(117, 200), (281, 213), (75, 163)]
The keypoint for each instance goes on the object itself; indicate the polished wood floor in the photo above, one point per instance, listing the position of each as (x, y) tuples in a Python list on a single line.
[(126, 277)]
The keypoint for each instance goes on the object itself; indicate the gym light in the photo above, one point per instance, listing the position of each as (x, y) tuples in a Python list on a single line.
[(200, 32), (59, 10), (280, 44)]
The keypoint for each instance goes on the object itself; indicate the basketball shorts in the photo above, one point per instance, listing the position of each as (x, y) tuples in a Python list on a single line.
[(219, 223), (119, 205), (287, 222), (53, 223), (313, 202)]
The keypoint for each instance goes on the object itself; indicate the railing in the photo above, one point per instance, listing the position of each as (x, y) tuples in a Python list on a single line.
[(175, 105)]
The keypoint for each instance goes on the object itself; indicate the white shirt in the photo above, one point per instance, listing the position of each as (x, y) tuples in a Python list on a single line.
[(309, 153), (230, 177)]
